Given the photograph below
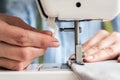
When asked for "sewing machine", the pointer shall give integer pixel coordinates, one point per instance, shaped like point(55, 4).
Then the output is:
point(68, 11)
point(76, 11)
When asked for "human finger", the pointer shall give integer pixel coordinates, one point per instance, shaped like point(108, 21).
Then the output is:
point(108, 41)
point(55, 43)
point(46, 32)
point(17, 36)
point(91, 50)
point(104, 54)
point(14, 65)
point(20, 53)
point(95, 39)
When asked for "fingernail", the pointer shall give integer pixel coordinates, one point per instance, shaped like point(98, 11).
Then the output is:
point(55, 40)
point(54, 44)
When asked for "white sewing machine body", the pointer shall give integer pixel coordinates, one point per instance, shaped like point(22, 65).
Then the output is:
point(79, 9)
point(40, 72)
point(41, 75)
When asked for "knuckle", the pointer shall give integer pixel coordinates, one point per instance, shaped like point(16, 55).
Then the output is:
point(25, 54)
point(20, 39)
point(46, 42)
point(18, 66)
point(109, 52)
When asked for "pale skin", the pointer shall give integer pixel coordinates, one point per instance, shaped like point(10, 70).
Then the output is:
point(20, 44)
point(102, 46)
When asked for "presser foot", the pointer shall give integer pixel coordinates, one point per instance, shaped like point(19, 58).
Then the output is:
point(79, 55)
point(71, 61)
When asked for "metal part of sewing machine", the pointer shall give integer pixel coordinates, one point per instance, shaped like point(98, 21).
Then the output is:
point(75, 11)
point(78, 48)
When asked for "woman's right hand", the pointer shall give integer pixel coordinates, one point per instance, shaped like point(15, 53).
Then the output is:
point(20, 44)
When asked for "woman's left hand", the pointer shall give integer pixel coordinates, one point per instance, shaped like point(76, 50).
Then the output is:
point(102, 46)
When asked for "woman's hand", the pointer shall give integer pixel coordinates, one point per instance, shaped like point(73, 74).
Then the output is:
point(102, 46)
point(20, 44)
